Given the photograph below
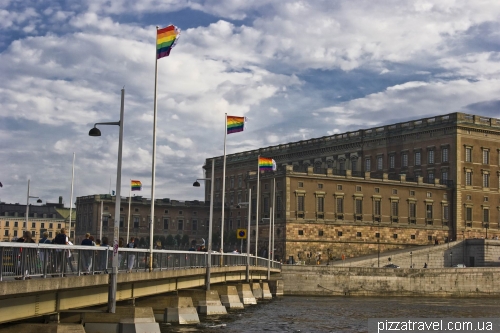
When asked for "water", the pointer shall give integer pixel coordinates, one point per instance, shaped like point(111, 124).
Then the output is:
point(337, 314)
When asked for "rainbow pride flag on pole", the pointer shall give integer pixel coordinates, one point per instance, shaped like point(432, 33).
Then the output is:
point(135, 185)
point(235, 124)
point(165, 40)
point(266, 164)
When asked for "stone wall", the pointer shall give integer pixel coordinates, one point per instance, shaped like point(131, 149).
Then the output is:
point(355, 281)
point(471, 252)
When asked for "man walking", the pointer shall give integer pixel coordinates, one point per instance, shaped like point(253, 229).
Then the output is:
point(87, 255)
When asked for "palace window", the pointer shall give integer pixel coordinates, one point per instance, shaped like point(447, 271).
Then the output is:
point(428, 213)
point(367, 165)
point(486, 215)
point(468, 214)
point(430, 157)
point(468, 178)
point(339, 205)
point(136, 222)
point(468, 154)
point(446, 213)
point(394, 211)
point(165, 224)
point(444, 155)
point(358, 206)
point(180, 224)
point(380, 163)
point(418, 158)
point(486, 156)
point(486, 180)
point(430, 177)
point(404, 160)
point(392, 161)
point(321, 204)
point(412, 212)
point(377, 209)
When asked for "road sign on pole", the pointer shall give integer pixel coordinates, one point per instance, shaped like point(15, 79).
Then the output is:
point(241, 233)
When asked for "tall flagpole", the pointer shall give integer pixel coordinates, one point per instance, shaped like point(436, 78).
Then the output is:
point(274, 214)
point(269, 245)
point(153, 167)
point(129, 202)
point(223, 188)
point(71, 197)
point(257, 213)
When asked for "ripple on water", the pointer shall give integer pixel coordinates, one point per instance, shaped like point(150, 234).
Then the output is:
point(336, 314)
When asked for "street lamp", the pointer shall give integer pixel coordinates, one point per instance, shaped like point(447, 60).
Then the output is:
point(411, 259)
point(114, 272)
point(28, 197)
point(249, 203)
point(209, 248)
point(451, 259)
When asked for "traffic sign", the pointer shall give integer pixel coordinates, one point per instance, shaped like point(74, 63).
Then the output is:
point(241, 233)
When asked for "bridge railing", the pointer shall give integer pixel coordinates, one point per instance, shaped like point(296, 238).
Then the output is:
point(24, 261)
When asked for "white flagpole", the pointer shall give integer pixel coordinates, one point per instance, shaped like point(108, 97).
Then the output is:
point(129, 202)
point(153, 167)
point(257, 213)
point(269, 246)
point(71, 196)
point(274, 214)
point(223, 188)
point(100, 228)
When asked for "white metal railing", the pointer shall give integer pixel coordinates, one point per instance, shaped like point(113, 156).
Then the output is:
point(23, 261)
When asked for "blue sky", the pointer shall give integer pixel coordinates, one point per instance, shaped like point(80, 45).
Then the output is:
point(295, 69)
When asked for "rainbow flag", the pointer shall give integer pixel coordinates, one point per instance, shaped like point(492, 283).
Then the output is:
point(267, 164)
point(235, 124)
point(135, 185)
point(165, 40)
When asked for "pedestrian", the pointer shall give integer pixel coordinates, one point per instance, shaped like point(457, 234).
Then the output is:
point(87, 255)
point(131, 256)
point(61, 239)
point(26, 256)
point(103, 256)
point(425, 265)
point(44, 254)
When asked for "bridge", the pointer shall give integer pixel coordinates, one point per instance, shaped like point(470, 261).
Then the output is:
point(42, 279)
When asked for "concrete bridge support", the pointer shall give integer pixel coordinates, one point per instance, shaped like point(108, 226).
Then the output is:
point(228, 296)
point(277, 287)
point(257, 290)
point(171, 309)
point(245, 293)
point(266, 293)
point(124, 320)
point(206, 301)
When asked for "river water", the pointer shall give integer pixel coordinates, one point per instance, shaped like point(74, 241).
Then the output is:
point(337, 314)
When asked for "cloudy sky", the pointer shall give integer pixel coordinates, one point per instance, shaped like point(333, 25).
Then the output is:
point(295, 69)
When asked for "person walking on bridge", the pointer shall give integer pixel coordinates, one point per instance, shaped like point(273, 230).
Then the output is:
point(87, 255)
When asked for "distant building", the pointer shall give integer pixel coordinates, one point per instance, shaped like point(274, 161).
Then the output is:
point(50, 217)
point(413, 183)
point(182, 220)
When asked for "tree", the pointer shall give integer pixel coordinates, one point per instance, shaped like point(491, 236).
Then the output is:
point(185, 240)
point(163, 241)
point(170, 241)
point(178, 239)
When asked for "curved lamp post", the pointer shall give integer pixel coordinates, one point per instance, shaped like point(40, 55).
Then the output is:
point(114, 272)
point(209, 247)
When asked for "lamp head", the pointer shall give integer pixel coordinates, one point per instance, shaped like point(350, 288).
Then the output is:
point(196, 184)
point(238, 206)
point(94, 132)
point(39, 201)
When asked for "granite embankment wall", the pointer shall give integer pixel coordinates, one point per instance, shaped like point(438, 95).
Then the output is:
point(360, 281)
point(471, 252)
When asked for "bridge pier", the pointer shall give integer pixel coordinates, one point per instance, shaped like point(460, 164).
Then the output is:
point(266, 293)
point(124, 320)
point(245, 294)
point(172, 309)
point(206, 301)
point(257, 290)
point(277, 287)
point(228, 296)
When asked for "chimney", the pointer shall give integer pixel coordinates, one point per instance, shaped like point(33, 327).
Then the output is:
point(60, 200)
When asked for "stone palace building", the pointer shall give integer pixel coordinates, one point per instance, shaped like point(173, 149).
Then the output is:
point(413, 183)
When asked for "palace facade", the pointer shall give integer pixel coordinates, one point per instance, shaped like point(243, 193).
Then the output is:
point(413, 183)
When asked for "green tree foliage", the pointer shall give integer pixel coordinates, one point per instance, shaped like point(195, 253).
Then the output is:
point(185, 240)
point(170, 241)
